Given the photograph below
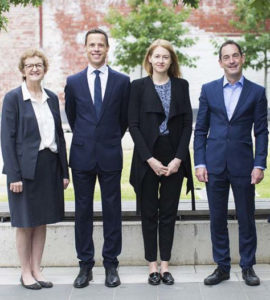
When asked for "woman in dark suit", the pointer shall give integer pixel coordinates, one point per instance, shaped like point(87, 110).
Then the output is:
point(160, 123)
point(34, 154)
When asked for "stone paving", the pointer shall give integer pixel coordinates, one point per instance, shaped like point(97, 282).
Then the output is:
point(188, 285)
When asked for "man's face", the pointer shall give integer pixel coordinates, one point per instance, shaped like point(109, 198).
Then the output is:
point(96, 49)
point(231, 61)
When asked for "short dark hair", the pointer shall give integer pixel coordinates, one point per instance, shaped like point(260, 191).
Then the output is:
point(97, 30)
point(229, 42)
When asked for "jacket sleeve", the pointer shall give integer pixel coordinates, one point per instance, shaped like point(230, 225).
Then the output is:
point(124, 107)
point(9, 131)
point(70, 105)
point(261, 131)
point(183, 146)
point(201, 130)
point(134, 121)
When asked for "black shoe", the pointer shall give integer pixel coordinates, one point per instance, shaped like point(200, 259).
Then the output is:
point(250, 277)
point(167, 278)
point(216, 277)
point(154, 278)
point(83, 278)
point(34, 286)
point(45, 284)
point(112, 278)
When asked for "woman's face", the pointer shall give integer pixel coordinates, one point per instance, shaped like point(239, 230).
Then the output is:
point(160, 60)
point(33, 69)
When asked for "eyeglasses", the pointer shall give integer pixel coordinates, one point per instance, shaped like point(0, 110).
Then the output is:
point(31, 66)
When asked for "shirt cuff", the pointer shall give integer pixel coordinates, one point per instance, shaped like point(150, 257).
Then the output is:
point(200, 166)
point(259, 167)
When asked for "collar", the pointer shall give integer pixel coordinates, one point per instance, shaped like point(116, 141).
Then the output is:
point(27, 95)
point(103, 69)
point(239, 82)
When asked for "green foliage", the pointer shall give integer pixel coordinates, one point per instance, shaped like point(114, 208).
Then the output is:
point(252, 20)
point(144, 24)
point(192, 3)
point(5, 6)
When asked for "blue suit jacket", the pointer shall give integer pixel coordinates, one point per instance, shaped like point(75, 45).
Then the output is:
point(97, 141)
point(20, 138)
point(220, 142)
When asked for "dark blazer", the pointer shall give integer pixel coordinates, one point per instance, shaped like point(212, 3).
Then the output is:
point(20, 138)
point(97, 141)
point(229, 142)
point(146, 113)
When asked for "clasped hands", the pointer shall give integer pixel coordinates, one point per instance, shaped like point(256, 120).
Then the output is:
point(160, 169)
point(17, 187)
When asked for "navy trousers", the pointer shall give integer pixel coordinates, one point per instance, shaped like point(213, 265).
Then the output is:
point(244, 197)
point(84, 185)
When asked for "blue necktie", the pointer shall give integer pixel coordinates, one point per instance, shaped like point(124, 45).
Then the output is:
point(97, 94)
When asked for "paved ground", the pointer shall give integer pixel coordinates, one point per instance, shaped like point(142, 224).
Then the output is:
point(134, 287)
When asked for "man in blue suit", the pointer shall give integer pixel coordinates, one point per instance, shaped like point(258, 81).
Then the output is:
point(96, 108)
point(229, 109)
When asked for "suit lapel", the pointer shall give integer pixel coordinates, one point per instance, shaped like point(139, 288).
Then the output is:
point(153, 102)
point(220, 97)
point(86, 92)
point(242, 98)
point(177, 105)
point(30, 116)
point(108, 91)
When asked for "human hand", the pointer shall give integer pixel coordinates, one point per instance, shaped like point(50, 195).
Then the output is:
point(257, 176)
point(201, 174)
point(16, 187)
point(157, 166)
point(173, 166)
point(65, 183)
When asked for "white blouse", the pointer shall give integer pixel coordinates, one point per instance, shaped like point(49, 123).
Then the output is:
point(44, 118)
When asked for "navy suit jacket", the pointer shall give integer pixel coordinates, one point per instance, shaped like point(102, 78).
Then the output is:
point(220, 142)
point(20, 138)
point(97, 142)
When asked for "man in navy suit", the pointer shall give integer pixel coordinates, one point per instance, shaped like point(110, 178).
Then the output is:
point(223, 149)
point(96, 108)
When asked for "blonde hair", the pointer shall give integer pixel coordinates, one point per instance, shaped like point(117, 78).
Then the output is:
point(174, 69)
point(31, 53)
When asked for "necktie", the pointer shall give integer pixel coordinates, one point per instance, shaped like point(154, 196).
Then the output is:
point(97, 94)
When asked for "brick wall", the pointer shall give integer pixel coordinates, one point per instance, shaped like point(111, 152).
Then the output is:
point(65, 23)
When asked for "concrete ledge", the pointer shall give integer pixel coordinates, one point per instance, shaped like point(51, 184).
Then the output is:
point(192, 244)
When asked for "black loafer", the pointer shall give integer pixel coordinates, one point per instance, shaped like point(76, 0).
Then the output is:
point(112, 278)
point(85, 275)
point(154, 278)
point(34, 286)
point(45, 284)
point(216, 277)
point(250, 277)
point(167, 278)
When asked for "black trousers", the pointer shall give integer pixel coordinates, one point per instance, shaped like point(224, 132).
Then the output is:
point(160, 198)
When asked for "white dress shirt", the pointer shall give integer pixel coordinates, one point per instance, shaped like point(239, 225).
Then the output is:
point(91, 76)
point(44, 118)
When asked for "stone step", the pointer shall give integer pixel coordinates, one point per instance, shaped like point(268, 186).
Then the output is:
point(192, 244)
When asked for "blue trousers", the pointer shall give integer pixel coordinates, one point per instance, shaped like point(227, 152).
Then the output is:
point(84, 185)
point(244, 196)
